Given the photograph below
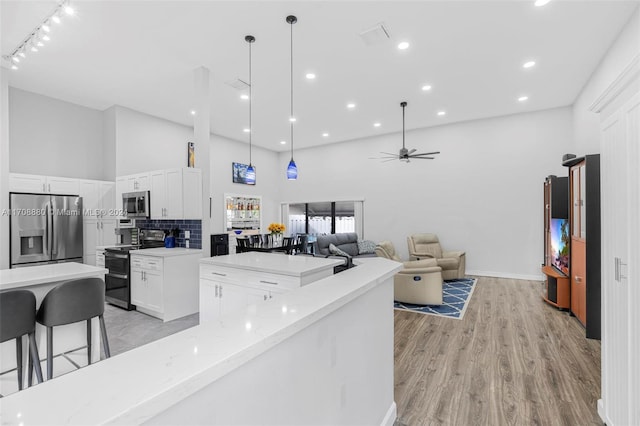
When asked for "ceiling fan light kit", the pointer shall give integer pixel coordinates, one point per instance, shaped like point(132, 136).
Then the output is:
point(405, 154)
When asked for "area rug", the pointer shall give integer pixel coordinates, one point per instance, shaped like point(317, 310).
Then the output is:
point(455, 298)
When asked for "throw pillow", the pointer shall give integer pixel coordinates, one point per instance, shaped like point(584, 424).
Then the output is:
point(335, 250)
point(366, 247)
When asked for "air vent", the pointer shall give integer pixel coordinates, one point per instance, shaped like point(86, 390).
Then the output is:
point(238, 84)
point(375, 35)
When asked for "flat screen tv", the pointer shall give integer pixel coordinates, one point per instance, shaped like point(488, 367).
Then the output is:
point(560, 245)
point(239, 171)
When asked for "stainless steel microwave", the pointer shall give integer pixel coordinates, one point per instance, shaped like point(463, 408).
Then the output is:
point(136, 204)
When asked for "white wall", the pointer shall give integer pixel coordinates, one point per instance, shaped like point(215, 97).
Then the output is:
point(52, 137)
point(223, 153)
point(4, 167)
point(586, 124)
point(483, 194)
point(145, 142)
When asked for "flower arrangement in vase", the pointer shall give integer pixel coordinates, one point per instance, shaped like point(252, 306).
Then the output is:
point(276, 228)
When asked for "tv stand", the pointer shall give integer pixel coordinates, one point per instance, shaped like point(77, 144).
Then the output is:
point(557, 289)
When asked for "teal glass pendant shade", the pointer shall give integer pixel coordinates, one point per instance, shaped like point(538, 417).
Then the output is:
point(250, 175)
point(292, 170)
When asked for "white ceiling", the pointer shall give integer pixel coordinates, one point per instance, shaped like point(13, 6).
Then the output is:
point(141, 55)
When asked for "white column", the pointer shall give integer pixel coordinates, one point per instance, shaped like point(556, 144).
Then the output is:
point(4, 168)
point(201, 133)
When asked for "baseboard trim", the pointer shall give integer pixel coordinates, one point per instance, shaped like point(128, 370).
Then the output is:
point(506, 275)
point(390, 417)
point(603, 414)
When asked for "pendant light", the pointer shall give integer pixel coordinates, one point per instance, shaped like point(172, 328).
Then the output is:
point(292, 169)
point(250, 175)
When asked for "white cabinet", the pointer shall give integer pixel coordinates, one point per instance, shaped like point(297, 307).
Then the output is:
point(99, 221)
point(147, 284)
point(176, 194)
point(165, 287)
point(19, 182)
point(100, 258)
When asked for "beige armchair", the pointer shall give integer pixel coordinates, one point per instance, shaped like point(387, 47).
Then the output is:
point(420, 282)
point(427, 246)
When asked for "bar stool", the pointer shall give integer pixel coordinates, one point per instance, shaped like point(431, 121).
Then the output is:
point(17, 318)
point(243, 244)
point(70, 302)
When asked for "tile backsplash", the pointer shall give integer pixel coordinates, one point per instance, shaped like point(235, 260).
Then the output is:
point(194, 226)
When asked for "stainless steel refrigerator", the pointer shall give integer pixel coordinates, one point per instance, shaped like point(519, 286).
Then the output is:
point(45, 229)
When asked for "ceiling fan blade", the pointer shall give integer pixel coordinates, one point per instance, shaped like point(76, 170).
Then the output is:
point(411, 151)
point(428, 153)
point(388, 153)
point(390, 159)
point(422, 158)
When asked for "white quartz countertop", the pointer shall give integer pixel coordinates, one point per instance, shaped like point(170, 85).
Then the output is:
point(135, 386)
point(275, 263)
point(41, 274)
point(166, 252)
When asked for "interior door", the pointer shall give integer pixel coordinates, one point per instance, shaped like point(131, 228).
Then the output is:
point(615, 198)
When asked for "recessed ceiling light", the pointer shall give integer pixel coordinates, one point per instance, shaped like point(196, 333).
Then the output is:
point(528, 64)
point(522, 98)
point(426, 88)
point(310, 76)
point(244, 97)
point(292, 119)
point(193, 112)
point(22, 54)
point(351, 106)
point(246, 130)
point(69, 10)
point(403, 45)
point(541, 2)
point(45, 37)
point(14, 67)
point(15, 59)
point(56, 19)
point(283, 142)
point(441, 113)
point(376, 124)
point(325, 135)
point(46, 27)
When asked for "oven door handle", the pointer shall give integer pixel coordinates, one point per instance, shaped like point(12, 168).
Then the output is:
point(121, 276)
point(116, 255)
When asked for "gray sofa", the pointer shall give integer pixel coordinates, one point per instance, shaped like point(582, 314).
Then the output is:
point(347, 242)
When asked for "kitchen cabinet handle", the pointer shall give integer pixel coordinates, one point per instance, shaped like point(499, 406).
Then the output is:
point(216, 292)
point(264, 297)
point(97, 226)
point(220, 292)
point(219, 274)
point(269, 282)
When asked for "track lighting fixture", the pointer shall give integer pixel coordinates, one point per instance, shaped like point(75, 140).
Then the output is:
point(39, 35)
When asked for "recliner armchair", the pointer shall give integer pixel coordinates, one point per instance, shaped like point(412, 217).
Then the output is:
point(420, 282)
point(427, 246)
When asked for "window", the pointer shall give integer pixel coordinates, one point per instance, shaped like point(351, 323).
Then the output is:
point(319, 218)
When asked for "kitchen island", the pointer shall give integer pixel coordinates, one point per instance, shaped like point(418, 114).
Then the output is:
point(40, 280)
point(319, 354)
point(232, 282)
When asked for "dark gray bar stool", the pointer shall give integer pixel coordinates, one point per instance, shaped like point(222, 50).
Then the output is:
point(70, 302)
point(17, 318)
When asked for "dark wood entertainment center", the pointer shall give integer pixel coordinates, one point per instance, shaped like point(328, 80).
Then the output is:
point(556, 206)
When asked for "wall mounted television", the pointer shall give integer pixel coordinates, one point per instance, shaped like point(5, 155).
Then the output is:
point(239, 173)
point(560, 245)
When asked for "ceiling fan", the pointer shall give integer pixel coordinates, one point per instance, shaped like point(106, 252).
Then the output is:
point(406, 154)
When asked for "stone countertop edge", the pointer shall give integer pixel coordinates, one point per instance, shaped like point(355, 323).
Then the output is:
point(251, 261)
point(135, 386)
point(43, 274)
point(166, 252)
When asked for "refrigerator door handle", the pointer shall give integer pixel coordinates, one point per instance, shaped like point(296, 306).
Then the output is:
point(47, 240)
point(54, 243)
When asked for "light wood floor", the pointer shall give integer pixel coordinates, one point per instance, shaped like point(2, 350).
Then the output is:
point(512, 360)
